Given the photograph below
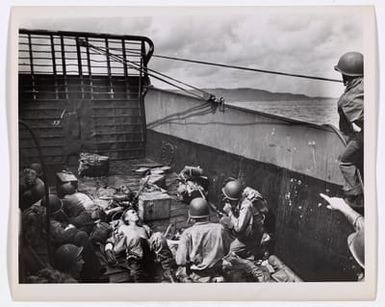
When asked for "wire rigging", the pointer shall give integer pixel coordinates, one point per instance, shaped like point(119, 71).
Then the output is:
point(134, 66)
point(151, 72)
point(248, 68)
point(199, 110)
point(267, 71)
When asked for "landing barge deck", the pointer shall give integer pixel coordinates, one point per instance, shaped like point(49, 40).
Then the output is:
point(123, 173)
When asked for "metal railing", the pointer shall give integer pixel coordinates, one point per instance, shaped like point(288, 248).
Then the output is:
point(61, 53)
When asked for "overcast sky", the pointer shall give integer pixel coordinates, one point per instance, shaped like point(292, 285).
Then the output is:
point(291, 40)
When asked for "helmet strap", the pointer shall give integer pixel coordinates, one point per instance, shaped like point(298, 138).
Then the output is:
point(347, 79)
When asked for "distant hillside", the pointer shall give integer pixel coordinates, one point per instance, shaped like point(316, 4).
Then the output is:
point(250, 94)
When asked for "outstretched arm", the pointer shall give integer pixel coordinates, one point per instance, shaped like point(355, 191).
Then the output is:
point(339, 204)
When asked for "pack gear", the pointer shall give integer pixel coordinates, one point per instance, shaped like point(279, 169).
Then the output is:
point(351, 64)
point(256, 198)
point(93, 165)
point(199, 208)
point(190, 172)
point(250, 271)
point(192, 184)
point(233, 190)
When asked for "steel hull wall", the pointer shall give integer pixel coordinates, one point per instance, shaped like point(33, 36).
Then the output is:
point(310, 238)
point(298, 146)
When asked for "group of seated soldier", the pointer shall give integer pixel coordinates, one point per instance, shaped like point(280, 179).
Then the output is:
point(57, 236)
point(67, 240)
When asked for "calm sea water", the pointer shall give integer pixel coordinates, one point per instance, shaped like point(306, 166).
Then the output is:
point(318, 111)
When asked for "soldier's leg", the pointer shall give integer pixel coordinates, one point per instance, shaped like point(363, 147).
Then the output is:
point(241, 249)
point(351, 160)
point(163, 255)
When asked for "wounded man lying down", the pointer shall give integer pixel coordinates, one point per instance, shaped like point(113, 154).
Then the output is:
point(138, 252)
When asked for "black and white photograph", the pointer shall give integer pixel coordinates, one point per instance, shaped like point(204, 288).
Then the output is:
point(195, 145)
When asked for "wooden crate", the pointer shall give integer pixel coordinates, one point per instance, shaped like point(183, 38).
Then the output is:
point(154, 206)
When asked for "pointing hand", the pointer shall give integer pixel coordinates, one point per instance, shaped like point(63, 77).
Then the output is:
point(335, 203)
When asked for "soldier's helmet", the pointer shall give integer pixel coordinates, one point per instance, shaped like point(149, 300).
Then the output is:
point(233, 190)
point(68, 188)
point(66, 257)
point(199, 208)
point(55, 204)
point(351, 64)
point(356, 242)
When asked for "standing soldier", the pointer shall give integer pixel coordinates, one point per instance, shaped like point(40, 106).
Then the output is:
point(351, 112)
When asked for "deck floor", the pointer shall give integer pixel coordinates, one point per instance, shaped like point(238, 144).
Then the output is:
point(123, 173)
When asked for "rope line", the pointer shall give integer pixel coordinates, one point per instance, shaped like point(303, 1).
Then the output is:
point(202, 113)
point(162, 121)
point(174, 122)
point(182, 113)
point(179, 118)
